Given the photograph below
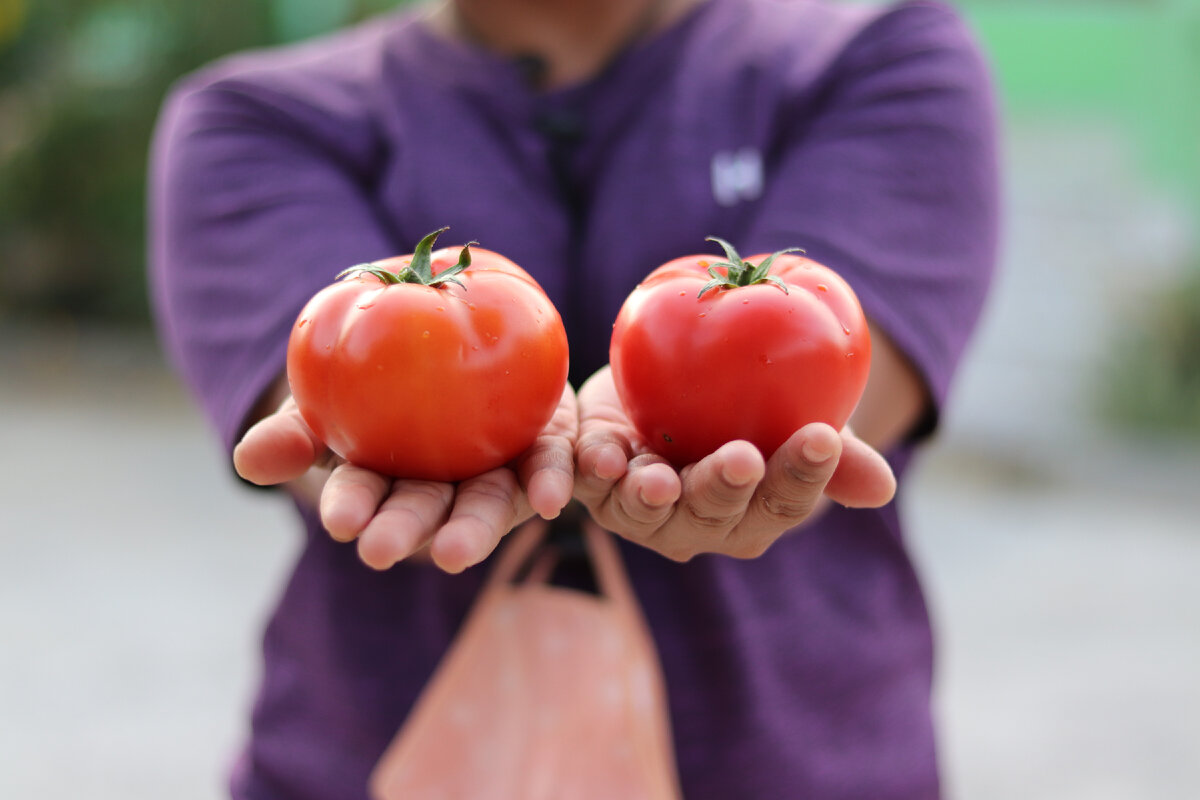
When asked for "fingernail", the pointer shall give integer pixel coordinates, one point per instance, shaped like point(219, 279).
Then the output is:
point(732, 478)
point(814, 453)
point(609, 463)
point(647, 501)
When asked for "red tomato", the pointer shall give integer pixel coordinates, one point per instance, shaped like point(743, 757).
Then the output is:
point(421, 367)
point(706, 351)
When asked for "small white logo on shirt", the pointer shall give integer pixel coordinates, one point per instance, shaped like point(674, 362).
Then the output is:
point(737, 176)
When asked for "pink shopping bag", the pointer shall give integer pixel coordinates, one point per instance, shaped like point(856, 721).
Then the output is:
point(547, 693)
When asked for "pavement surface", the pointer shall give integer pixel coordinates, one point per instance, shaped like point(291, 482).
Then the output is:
point(135, 575)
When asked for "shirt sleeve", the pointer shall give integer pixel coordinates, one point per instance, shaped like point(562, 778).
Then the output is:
point(260, 195)
point(889, 176)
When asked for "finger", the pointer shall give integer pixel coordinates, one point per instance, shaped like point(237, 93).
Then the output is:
point(607, 441)
point(642, 501)
point(485, 508)
point(627, 488)
point(350, 499)
point(715, 495)
point(408, 518)
point(863, 478)
point(602, 458)
point(795, 480)
point(278, 448)
point(547, 470)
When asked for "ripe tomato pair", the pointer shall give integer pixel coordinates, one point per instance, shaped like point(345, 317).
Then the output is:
point(442, 366)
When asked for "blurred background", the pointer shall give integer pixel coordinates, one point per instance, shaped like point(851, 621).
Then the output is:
point(1056, 518)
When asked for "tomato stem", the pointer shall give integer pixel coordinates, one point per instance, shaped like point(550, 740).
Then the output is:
point(739, 272)
point(420, 269)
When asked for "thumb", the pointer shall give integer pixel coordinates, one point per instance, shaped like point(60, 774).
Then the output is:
point(278, 448)
point(863, 478)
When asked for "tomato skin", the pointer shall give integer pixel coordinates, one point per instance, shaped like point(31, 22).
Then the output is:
point(430, 382)
point(748, 362)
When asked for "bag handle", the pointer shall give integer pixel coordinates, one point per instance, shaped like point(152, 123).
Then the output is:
point(522, 543)
point(611, 577)
point(612, 580)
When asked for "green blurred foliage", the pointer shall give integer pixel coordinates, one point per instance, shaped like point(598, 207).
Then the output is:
point(1153, 382)
point(1131, 67)
point(81, 82)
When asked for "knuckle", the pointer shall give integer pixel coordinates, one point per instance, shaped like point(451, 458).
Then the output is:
point(785, 510)
point(495, 485)
point(722, 494)
point(486, 498)
point(479, 522)
point(641, 460)
point(552, 453)
point(564, 422)
point(588, 450)
point(809, 478)
point(640, 515)
point(555, 442)
point(430, 490)
point(708, 519)
point(401, 518)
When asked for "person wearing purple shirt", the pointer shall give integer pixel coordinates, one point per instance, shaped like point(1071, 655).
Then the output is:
point(590, 141)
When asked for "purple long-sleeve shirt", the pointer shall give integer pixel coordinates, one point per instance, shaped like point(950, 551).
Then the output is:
point(864, 135)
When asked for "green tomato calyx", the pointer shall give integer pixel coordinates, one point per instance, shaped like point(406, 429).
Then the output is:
point(739, 272)
point(420, 269)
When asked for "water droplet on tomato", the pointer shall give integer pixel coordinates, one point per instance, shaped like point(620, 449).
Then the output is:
point(745, 302)
point(703, 314)
point(471, 306)
point(424, 334)
point(845, 329)
point(683, 294)
point(822, 287)
point(440, 308)
point(302, 323)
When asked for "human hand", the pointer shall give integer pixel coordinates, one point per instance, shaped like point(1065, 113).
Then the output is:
point(733, 501)
point(392, 519)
